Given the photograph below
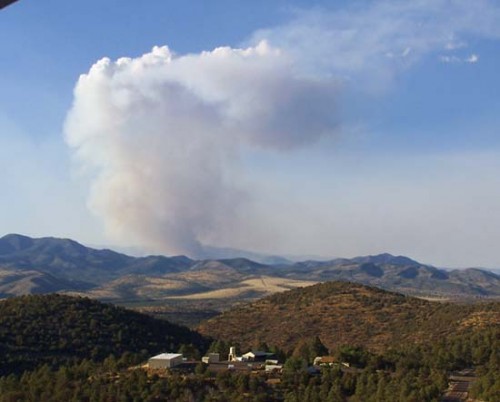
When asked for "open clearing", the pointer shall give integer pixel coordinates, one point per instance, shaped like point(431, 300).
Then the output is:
point(263, 285)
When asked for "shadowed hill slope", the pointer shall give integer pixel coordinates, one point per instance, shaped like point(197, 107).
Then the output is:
point(69, 260)
point(57, 329)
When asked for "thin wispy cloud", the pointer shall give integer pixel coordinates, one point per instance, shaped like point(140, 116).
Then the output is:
point(454, 45)
point(472, 59)
point(371, 42)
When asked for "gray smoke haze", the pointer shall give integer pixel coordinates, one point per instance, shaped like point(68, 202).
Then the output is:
point(161, 135)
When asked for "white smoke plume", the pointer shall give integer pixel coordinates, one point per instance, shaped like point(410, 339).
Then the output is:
point(161, 135)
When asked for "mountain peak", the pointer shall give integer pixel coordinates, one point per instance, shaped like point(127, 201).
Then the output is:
point(14, 242)
point(386, 258)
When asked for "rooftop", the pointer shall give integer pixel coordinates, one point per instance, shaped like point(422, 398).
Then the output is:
point(167, 356)
point(258, 353)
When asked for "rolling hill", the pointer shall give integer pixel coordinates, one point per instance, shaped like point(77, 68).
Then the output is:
point(342, 313)
point(16, 282)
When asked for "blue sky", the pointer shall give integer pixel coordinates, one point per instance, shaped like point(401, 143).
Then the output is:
point(343, 130)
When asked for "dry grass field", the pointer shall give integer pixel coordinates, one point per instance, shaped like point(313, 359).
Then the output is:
point(261, 286)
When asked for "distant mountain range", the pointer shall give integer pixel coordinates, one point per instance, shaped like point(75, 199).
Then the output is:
point(47, 265)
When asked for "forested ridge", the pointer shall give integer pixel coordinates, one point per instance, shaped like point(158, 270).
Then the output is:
point(57, 329)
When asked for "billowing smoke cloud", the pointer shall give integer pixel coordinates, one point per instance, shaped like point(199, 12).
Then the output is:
point(161, 135)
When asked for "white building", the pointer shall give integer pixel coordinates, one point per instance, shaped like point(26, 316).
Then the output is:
point(256, 355)
point(165, 360)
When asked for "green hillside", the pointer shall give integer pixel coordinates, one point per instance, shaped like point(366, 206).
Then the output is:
point(57, 329)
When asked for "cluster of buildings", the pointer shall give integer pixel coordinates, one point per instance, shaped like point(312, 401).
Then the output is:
point(253, 360)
